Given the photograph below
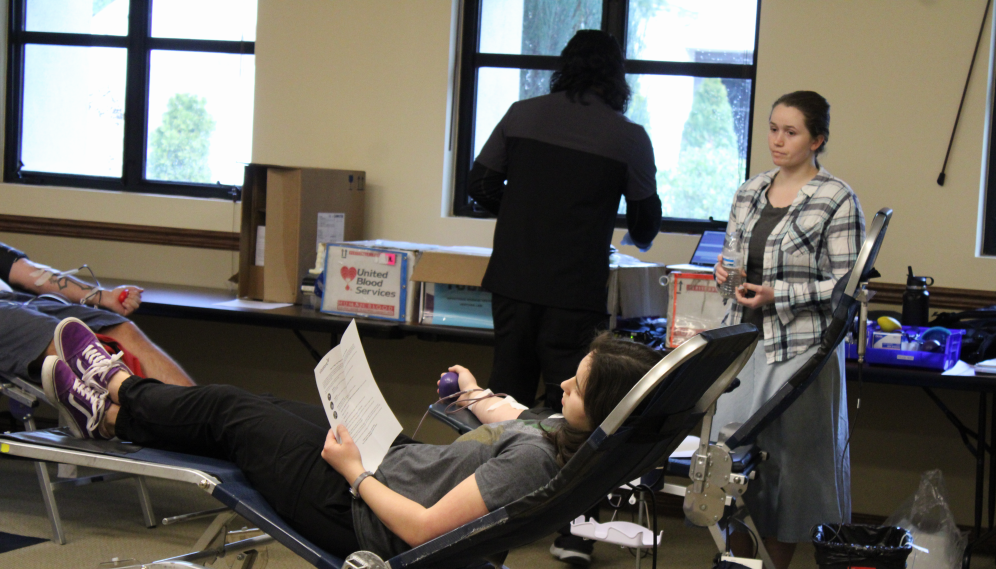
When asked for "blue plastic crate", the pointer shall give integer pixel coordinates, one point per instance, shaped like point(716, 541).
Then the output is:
point(850, 351)
point(907, 358)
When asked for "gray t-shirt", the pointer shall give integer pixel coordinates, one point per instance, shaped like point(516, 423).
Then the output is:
point(770, 217)
point(510, 459)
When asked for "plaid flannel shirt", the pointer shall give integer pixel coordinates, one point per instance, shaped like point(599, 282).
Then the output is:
point(813, 246)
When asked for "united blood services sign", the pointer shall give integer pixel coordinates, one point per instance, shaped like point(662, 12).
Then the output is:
point(361, 281)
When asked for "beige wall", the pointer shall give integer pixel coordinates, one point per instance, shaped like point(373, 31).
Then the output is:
point(175, 265)
point(370, 88)
point(893, 73)
point(366, 84)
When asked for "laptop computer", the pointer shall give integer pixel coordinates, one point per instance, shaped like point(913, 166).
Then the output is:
point(706, 252)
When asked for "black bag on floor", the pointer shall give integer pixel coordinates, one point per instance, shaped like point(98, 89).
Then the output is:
point(839, 546)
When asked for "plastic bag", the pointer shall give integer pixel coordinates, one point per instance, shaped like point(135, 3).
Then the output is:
point(694, 305)
point(840, 546)
point(938, 543)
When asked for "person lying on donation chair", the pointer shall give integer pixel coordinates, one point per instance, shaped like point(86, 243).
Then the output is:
point(35, 297)
point(318, 484)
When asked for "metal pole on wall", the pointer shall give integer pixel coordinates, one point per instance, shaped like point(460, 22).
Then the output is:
point(940, 177)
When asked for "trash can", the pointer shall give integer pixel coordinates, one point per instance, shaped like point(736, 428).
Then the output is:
point(840, 546)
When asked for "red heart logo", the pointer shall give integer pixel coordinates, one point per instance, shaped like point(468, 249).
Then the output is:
point(348, 274)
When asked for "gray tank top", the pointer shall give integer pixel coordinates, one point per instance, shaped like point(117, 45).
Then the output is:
point(769, 218)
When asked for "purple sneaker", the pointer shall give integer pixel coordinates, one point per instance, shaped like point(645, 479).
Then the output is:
point(77, 345)
point(80, 405)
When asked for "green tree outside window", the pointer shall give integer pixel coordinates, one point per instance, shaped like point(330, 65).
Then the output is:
point(708, 171)
point(180, 146)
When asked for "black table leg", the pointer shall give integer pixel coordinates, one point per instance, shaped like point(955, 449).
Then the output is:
point(311, 350)
point(980, 466)
point(992, 464)
point(980, 456)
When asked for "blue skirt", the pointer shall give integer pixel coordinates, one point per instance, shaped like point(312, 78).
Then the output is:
point(806, 480)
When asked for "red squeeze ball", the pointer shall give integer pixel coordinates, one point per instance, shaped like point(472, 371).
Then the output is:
point(122, 296)
point(448, 384)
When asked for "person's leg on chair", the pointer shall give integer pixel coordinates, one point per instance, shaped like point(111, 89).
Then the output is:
point(33, 370)
point(155, 362)
point(278, 451)
point(26, 330)
point(25, 340)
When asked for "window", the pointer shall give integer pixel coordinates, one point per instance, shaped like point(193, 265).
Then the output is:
point(131, 95)
point(690, 64)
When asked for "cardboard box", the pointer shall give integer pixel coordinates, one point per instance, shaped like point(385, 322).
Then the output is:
point(452, 265)
point(435, 264)
point(634, 286)
point(299, 207)
point(451, 293)
point(455, 305)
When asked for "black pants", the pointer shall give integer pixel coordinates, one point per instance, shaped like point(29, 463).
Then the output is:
point(276, 443)
point(533, 340)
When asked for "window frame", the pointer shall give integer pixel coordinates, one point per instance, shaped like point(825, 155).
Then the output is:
point(139, 44)
point(988, 199)
point(988, 240)
point(614, 21)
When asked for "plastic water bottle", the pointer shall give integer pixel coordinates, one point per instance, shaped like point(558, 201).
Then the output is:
point(733, 262)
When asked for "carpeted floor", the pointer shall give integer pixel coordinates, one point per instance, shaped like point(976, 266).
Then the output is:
point(104, 522)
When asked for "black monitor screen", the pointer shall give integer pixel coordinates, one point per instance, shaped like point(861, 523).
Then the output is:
point(709, 249)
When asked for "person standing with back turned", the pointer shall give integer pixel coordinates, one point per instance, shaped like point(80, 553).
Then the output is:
point(553, 171)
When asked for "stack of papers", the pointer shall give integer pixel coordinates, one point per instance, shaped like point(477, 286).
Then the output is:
point(987, 367)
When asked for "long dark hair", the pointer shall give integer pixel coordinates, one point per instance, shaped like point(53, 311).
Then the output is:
point(616, 366)
point(816, 112)
point(592, 62)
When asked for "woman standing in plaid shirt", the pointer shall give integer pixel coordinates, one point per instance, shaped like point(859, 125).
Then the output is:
point(801, 228)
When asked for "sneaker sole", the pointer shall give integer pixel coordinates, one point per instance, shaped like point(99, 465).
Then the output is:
point(48, 369)
point(570, 556)
point(58, 336)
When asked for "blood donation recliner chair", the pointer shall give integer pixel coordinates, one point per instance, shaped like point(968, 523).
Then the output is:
point(24, 397)
point(638, 436)
point(720, 472)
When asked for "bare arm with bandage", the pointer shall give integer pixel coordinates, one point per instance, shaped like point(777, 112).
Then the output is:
point(487, 408)
point(36, 278)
